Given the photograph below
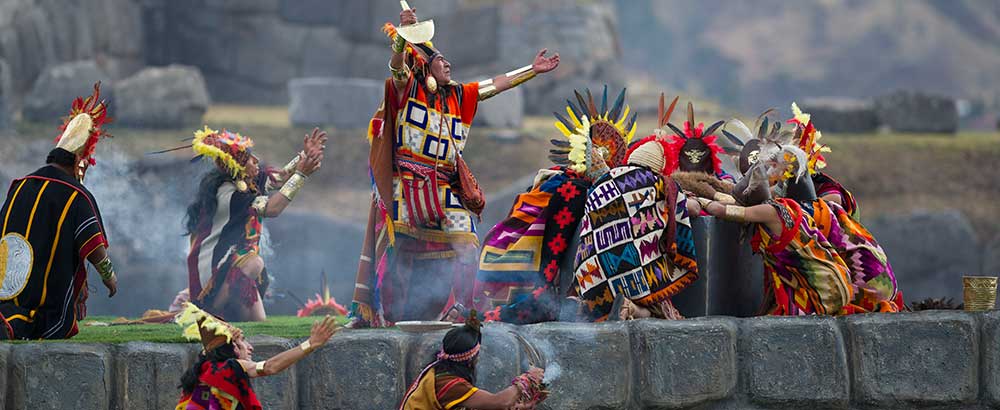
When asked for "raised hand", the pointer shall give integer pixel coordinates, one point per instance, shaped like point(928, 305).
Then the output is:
point(407, 17)
point(322, 331)
point(314, 146)
point(543, 64)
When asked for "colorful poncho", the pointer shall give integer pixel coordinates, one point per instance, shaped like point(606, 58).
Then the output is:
point(875, 288)
point(518, 280)
point(221, 386)
point(415, 143)
point(803, 273)
point(50, 225)
point(636, 239)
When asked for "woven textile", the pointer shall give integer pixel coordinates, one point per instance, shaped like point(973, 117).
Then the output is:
point(629, 244)
point(826, 185)
point(521, 256)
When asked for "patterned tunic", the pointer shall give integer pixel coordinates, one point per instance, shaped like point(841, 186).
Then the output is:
point(433, 391)
point(221, 386)
point(803, 272)
point(429, 137)
point(871, 275)
point(50, 225)
point(628, 243)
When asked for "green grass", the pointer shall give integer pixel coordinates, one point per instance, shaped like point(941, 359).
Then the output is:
point(280, 326)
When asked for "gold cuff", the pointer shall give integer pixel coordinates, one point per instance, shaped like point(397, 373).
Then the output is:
point(290, 166)
point(487, 90)
point(519, 76)
point(736, 213)
point(704, 202)
point(260, 367)
point(106, 269)
point(724, 198)
point(293, 185)
point(306, 347)
point(259, 204)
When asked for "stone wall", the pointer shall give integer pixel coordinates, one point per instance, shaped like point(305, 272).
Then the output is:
point(934, 360)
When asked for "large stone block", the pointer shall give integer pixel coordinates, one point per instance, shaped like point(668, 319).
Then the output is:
point(5, 349)
point(341, 102)
point(328, 54)
point(911, 111)
point(505, 110)
point(991, 356)
point(60, 375)
point(147, 374)
point(271, 52)
point(357, 369)
point(465, 36)
point(927, 358)
point(368, 61)
point(54, 90)
point(162, 97)
point(841, 114)
point(589, 365)
point(277, 391)
point(685, 363)
point(795, 362)
point(932, 266)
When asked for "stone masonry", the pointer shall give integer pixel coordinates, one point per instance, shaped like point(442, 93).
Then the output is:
point(929, 360)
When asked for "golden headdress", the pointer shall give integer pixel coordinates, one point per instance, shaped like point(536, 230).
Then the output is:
point(83, 128)
point(608, 131)
point(200, 325)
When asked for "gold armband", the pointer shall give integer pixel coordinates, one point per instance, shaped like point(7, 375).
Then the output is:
point(307, 347)
point(724, 198)
point(704, 202)
point(399, 74)
point(106, 269)
point(259, 204)
point(736, 213)
point(293, 185)
point(260, 367)
point(487, 89)
point(519, 76)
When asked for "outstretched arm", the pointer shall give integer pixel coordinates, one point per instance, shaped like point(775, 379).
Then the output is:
point(312, 158)
point(505, 399)
point(762, 214)
point(321, 332)
point(504, 82)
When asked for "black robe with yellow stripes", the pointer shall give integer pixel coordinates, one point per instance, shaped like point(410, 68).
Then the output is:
point(59, 218)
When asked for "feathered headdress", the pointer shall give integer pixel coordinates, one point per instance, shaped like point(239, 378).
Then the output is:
point(83, 128)
point(200, 325)
point(693, 146)
point(231, 151)
point(607, 131)
point(808, 139)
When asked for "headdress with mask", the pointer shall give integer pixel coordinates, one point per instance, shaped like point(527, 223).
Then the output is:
point(83, 128)
point(767, 158)
point(695, 148)
point(593, 133)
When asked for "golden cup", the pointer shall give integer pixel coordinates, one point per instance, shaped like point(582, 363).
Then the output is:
point(980, 293)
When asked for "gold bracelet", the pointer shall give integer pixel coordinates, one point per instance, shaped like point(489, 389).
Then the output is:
point(293, 185)
point(290, 166)
point(260, 367)
point(519, 76)
point(487, 89)
point(306, 347)
point(724, 198)
point(736, 213)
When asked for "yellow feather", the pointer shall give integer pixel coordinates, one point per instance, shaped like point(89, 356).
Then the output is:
point(562, 128)
point(572, 116)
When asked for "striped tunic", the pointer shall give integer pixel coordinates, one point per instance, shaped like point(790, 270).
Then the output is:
point(50, 225)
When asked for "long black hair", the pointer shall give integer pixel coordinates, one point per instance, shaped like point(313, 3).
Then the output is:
point(206, 201)
point(220, 354)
